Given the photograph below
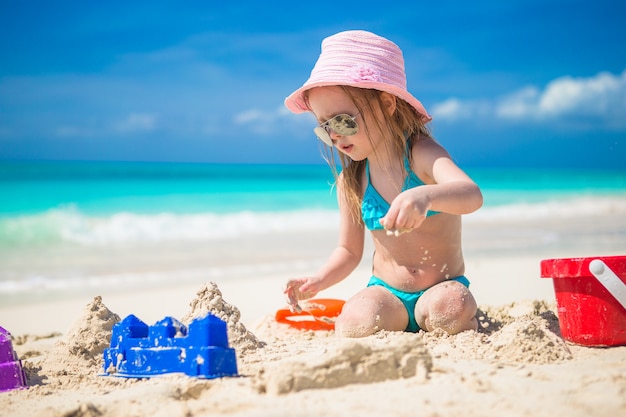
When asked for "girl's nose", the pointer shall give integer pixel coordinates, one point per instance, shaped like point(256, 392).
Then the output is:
point(334, 136)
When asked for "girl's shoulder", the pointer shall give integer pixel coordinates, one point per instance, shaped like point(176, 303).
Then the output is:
point(424, 153)
point(427, 148)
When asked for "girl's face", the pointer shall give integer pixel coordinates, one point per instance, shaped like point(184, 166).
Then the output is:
point(327, 102)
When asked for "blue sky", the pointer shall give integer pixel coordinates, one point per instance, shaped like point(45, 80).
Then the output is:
point(519, 83)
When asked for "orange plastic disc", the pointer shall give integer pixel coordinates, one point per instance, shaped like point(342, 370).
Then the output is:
point(316, 314)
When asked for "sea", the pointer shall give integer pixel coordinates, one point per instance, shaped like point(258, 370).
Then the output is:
point(71, 226)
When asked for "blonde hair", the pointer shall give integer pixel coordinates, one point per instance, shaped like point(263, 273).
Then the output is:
point(404, 128)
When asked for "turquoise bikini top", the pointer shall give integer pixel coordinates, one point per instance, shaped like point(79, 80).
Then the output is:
point(374, 206)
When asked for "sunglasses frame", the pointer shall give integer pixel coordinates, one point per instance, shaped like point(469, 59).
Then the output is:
point(339, 121)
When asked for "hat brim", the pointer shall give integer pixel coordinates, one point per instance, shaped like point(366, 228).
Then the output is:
point(296, 102)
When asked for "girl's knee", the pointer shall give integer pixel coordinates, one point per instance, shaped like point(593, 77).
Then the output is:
point(449, 306)
point(371, 310)
point(356, 325)
point(358, 318)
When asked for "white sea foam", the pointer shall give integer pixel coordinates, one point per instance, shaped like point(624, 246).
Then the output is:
point(72, 226)
point(558, 209)
point(54, 273)
point(128, 227)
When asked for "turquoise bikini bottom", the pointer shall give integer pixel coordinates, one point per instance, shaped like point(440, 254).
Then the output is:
point(409, 299)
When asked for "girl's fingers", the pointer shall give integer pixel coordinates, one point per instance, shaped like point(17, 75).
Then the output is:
point(397, 232)
point(296, 290)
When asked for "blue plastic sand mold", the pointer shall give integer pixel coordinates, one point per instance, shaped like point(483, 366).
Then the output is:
point(11, 371)
point(138, 350)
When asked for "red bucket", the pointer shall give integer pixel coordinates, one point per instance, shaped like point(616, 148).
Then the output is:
point(590, 298)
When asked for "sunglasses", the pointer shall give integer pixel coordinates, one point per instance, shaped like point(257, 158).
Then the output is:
point(342, 124)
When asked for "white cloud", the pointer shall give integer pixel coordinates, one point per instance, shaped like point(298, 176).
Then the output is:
point(258, 115)
point(452, 108)
point(601, 98)
point(518, 105)
point(265, 121)
point(132, 123)
point(257, 120)
point(136, 122)
point(595, 95)
point(456, 109)
point(249, 116)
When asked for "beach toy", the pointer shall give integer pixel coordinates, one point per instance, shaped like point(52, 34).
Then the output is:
point(590, 298)
point(141, 351)
point(316, 314)
point(11, 372)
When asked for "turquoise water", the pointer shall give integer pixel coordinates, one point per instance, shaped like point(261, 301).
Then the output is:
point(68, 226)
point(112, 202)
point(105, 188)
point(506, 187)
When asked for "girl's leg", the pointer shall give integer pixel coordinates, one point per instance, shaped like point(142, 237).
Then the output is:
point(370, 310)
point(448, 305)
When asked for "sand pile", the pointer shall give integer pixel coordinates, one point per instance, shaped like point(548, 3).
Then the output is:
point(70, 363)
point(350, 361)
point(518, 333)
point(517, 350)
point(209, 300)
point(80, 351)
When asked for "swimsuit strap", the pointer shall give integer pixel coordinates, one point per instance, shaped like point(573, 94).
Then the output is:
point(407, 167)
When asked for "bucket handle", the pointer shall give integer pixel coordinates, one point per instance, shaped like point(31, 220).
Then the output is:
point(609, 280)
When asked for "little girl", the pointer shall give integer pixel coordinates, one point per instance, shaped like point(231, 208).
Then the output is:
point(397, 182)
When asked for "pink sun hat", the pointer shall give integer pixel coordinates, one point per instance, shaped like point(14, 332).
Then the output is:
point(360, 59)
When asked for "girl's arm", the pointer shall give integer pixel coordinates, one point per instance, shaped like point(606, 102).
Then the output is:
point(448, 189)
point(342, 261)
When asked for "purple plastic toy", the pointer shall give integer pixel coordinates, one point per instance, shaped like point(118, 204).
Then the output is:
point(11, 372)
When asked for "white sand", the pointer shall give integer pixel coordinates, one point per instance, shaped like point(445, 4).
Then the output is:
point(516, 365)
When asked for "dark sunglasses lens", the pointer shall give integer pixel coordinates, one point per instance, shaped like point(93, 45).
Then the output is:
point(344, 124)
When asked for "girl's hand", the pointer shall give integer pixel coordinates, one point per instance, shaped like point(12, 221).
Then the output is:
point(299, 289)
point(407, 212)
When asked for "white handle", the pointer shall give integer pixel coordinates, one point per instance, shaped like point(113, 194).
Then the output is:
point(609, 280)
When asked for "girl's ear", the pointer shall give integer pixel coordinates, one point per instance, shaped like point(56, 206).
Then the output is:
point(389, 102)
